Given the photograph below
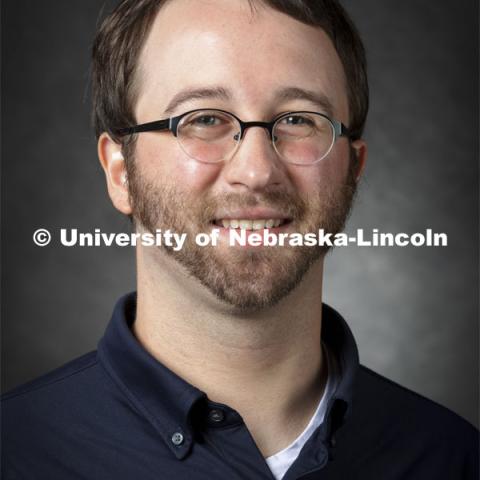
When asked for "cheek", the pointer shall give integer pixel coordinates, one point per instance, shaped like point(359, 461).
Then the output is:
point(329, 172)
point(165, 163)
point(333, 170)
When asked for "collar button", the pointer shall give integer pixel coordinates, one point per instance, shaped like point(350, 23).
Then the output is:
point(177, 439)
point(216, 415)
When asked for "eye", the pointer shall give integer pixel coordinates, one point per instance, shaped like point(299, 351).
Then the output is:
point(206, 125)
point(206, 121)
point(294, 120)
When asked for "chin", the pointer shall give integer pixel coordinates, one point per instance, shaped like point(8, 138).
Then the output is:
point(249, 280)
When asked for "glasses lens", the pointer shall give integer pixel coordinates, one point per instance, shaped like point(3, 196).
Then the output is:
point(303, 138)
point(208, 135)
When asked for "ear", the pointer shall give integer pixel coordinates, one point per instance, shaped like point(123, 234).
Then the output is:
point(360, 151)
point(113, 164)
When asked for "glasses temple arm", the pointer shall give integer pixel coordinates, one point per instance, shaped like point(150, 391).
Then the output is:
point(145, 127)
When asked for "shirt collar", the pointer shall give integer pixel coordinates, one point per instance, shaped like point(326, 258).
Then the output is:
point(339, 339)
point(163, 397)
point(167, 400)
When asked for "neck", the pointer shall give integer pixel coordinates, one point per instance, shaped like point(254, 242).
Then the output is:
point(274, 352)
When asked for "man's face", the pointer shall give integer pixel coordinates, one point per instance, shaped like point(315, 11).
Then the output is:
point(253, 58)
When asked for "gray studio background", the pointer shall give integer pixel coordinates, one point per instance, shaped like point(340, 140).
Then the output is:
point(414, 311)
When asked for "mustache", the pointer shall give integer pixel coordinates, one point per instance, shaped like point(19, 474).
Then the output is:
point(291, 205)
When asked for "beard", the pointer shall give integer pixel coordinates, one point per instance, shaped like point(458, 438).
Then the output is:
point(247, 279)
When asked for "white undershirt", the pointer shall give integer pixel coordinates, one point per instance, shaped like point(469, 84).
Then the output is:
point(281, 461)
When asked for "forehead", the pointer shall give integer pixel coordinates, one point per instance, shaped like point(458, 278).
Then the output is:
point(253, 54)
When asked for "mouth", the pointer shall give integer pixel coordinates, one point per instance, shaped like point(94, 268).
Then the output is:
point(251, 224)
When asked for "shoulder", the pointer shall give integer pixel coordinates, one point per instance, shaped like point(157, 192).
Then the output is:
point(49, 400)
point(54, 380)
point(65, 423)
point(388, 419)
point(390, 401)
point(44, 417)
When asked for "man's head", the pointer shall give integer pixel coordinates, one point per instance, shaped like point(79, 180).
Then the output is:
point(122, 36)
point(158, 59)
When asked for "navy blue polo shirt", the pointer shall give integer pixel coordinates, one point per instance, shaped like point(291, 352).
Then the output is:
point(117, 413)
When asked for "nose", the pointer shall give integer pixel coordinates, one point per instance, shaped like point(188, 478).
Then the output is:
point(255, 165)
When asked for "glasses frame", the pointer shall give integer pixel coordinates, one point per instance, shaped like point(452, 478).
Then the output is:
point(171, 124)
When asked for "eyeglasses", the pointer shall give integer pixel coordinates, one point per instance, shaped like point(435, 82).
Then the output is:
point(212, 135)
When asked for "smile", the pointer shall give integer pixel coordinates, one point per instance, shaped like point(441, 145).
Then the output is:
point(254, 224)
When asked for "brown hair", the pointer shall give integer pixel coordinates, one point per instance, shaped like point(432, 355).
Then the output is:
point(122, 34)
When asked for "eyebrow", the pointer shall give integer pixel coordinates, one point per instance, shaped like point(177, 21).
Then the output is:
point(284, 94)
point(215, 93)
point(294, 93)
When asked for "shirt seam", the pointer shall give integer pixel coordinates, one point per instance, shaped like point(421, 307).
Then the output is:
point(52, 382)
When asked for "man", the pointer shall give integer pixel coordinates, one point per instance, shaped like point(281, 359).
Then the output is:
point(229, 116)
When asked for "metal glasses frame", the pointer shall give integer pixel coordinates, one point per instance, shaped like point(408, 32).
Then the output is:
point(172, 123)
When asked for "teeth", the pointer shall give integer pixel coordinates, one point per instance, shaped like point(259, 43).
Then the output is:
point(250, 224)
point(245, 224)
